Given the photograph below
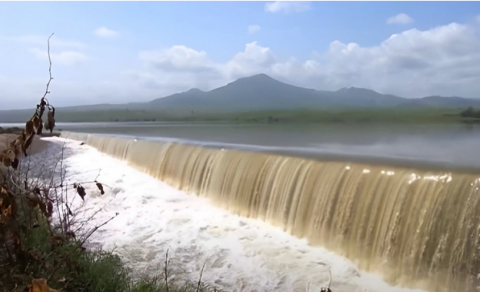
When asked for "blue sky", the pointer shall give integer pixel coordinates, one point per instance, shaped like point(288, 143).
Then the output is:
point(151, 49)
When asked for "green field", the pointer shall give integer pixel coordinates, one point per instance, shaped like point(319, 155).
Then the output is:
point(430, 115)
point(343, 115)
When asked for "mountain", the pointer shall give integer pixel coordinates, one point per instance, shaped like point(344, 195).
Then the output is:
point(262, 92)
point(249, 93)
point(442, 101)
point(361, 97)
point(193, 98)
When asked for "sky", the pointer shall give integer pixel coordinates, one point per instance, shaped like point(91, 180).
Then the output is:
point(117, 52)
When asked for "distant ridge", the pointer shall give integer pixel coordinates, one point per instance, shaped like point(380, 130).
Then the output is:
point(262, 92)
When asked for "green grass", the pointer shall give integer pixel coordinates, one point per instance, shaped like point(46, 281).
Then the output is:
point(66, 265)
point(331, 115)
point(82, 270)
point(424, 115)
point(358, 116)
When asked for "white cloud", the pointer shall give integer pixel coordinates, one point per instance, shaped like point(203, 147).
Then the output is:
point(176, 58)
point(401, 18)
point(63, 58)
point(444, 60)
point(286, 6)
point(253, 28)
point(63, 51)
point(177, 68)
point(254, 59)
point(106, 33)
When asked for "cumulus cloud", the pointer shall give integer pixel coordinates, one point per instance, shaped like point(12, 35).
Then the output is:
point(401, 18)
point(63, 58)
point(254, 59)
point(190, 68)
point(106, 33)
point(286, 6)
point(444, 60)
point(177, 58)
point(253, 28)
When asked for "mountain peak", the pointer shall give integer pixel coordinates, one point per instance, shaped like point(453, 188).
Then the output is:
point(194, 90)
point(262, 92)
point(353, 89)
point(256, 76)
point(261, 80)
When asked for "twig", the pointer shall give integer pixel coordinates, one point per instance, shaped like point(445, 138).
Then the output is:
point(99, 171)
point(327, 289)
point(60, 186)
point(49, 70)
point(54, 271)
point(96, 228)
point(166, 270)
point(329, 278)
point(200, 279)
point(28, 175)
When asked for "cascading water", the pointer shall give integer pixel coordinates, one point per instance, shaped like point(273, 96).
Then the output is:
point(417, 228)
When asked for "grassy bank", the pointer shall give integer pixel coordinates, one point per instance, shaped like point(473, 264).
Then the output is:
point(43, 238)
point(343, 115)
point(431, 115)
point(37, 245)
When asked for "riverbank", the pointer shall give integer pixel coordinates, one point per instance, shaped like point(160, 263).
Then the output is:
point(321, 116)
point(44, 237)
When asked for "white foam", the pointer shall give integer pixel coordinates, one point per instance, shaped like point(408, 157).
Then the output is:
point(239, 253)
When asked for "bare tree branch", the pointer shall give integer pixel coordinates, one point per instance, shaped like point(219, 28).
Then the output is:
point(49, 70)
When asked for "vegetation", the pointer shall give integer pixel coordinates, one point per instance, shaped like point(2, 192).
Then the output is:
point(255, 98)
point(11, 130)
point(351, 115)
point(470, 112)
point(413, 116)
point(42, 238)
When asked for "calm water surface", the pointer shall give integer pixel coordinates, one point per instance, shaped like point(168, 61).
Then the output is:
point(441, 145)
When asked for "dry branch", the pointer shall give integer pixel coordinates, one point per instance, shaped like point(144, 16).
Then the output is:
point(43, 197)
point(21, 197)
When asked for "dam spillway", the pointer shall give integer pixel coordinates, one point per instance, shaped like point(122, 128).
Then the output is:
point(418, 228)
